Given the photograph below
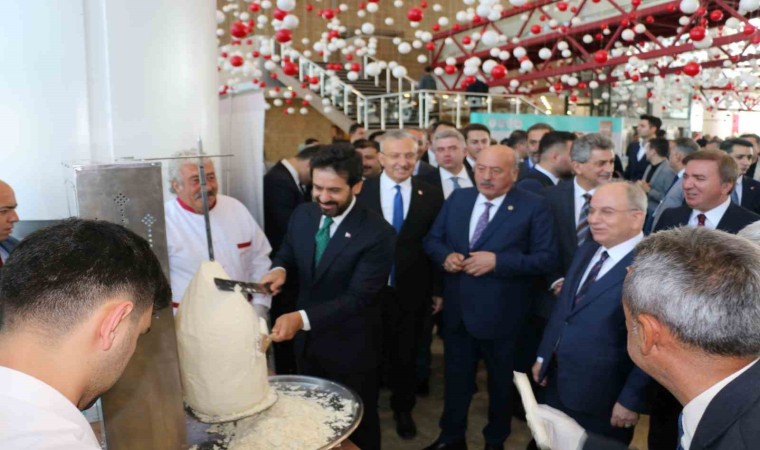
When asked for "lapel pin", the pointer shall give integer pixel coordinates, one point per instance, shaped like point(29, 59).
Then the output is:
point(348, 235)
point(510, 207)
point(419, 192)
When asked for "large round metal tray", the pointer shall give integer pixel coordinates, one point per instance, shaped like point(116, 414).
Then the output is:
point(196, 430)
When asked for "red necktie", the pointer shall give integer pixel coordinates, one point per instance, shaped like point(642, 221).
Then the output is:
point(701, 220)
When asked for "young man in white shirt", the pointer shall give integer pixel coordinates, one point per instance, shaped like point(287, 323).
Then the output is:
point(76, 297)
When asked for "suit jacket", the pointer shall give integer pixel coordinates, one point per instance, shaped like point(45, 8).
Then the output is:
point(281, 197)
point(521, 234)
point(635, 169)
point(434, 178)
point(751, 194)
point(561, 200)
point(524, 169)
point(734, 219)
point(536, 182)
point(416, 279)
point(425, 170)
point(589, 342)
point(660, 182)
point(9, 244)
point(673, 199)
point(339, 295)
point(729, 422)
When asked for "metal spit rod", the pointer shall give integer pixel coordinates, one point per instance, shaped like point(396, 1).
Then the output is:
point(204, 197)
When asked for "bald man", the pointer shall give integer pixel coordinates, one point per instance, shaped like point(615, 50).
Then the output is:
point(490, 260)
point(8, 217)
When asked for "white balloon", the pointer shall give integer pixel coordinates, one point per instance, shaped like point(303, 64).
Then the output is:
point(627, 35)
point(518, 2)
point(372, 7)
point(266, 4)
point(219, 32)
point(368, 28)
point(290, 22)
point(303, 111)
point(437, 7)
point(733, 23)
point(519, 52)
point(640, 28)
point(291, 110)
point(443, 21)
point(587, 38)
point(277, 102)
point(514, 83)
point(526, 65)
point(562, 45)
point(286, 5)
point(438, 71)
point(398, 3)
point(567, 53)
point(389, 21)
point(488, 65)
point(504, 55)
point(704, 43)
point(392, 65)
point(605, 95)
point(461, 16)
point(494, 52)
point(270, 65)
point(593, 84)
point(483, 10)
point(404, 48)
point(417, 44)
point(361, 13)
point(490, 38)
point(422, 59)
point(396, 41)
point(451, 61)
point(576, 21)
point(426, 36)
point(545, 53)
point(470, 70)
point(399, 72)
point(219, 17)
point(352, 76)
point(689, 6)
point(328, 109)
point(342, 7)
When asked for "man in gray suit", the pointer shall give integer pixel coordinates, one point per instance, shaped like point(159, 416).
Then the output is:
point(658, 176)
point(8, 217)
point(673, 197)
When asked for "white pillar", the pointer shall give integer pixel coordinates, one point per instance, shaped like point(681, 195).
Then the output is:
point(99, 80)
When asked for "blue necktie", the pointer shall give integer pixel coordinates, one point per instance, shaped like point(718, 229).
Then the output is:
point(735, 196)
point(455, 182)
point(680, 431)
point(398, 222)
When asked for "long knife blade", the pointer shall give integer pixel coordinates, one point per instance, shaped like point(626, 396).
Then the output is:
point(232, 285)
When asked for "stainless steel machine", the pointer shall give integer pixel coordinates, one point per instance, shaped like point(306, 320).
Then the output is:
point(144, 409)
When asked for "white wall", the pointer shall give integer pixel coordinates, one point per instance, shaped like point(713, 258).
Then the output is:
point(101, 80)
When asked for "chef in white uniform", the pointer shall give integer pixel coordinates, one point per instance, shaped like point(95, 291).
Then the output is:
point(240, 245)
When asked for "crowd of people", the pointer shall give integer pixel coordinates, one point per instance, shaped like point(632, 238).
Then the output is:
point(531, 255)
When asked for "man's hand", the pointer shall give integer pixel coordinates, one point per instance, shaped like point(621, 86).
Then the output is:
point(275, 278)
point(437, 304)
point(287, 326)
point(623, 417)
point(557, 288)
point(644, 186)
point(536, 370)
point(479, 263)
point(453, 262)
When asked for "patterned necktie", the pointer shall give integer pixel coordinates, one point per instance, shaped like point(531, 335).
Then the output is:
point(680, 431)
point(321, 239)
point(591, 277)
point(455, 182)
point(701, 219)
point(582, 230)
point(481, 225)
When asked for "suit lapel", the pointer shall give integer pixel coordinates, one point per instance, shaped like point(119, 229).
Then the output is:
point(573, 280)
point(612, 278)
point(346, 231)
point(507, 208)
point(461, 233)
point(415, 202)
point(371, 194)
point(315, 217)
point(568, 209)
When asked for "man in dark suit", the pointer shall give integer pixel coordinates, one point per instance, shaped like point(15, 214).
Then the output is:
point(476, 137)
point(708, 180)
point(709, 363)
point(553, 162)
point(746, 191)
point(429, 156)
point(342, 254)
point(674, 195)
point(284, 189)
point(491, 255)
point(755, 140)
point(534, 135)
point(518, 141)
point(636, 152)
point(410, 205)
point(421, 168)
point(582, 358)
point(452, 174)
point(8, 217)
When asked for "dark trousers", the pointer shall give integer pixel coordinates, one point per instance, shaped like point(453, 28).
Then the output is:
point(594, 424)
point(367, 435)
point(403, 323)
point(424, 356)
point(462, 351)
point(284, 352)
point(663, 422)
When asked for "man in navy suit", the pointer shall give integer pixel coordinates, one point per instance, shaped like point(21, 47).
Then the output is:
point(673, 198)
point(451, 174)
point(491, 241)
point(553, 162)
point(582, 358)
point(696, 334)
point(342, 254)
point(410, 205)
point(8, 217)
point(746, 191)
point(708, 181)
point(636, 152)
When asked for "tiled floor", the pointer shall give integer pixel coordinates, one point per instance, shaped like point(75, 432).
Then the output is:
point(428, 411)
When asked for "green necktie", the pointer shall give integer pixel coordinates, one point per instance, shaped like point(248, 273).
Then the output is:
point(321, 240)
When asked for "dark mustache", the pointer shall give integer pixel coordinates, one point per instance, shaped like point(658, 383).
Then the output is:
point(199, 195)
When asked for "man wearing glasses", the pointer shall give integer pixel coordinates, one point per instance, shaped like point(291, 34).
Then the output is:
point(582, 360)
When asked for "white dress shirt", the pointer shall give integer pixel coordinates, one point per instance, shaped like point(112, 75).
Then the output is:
point(448, 187)
point(292, 170)
point(388, 195)
point(642, 150)
point(578, 199)
point(480, 207)
point(551, 176)
point(34, 415)
point(333, 226)
point(713, 216)
point(471, 160)
point(616, 254)
point(431, 158)
point(695, 409)
point(738, 189)
point(240, 245)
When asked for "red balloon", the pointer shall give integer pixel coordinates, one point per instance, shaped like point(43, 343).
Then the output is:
point(749, 29)
point(451, 70)
point(562, 6)
point(557, 86)
point(573, 98)
point(238, 29)
point(498, 72)
point(467, 40)
point(309, 7)
point(692, 68)
point(373, 1)
point(289, 69)
point(436, 27)
point(414, 14)
point(349, 57)
point(314, 80)
point(328, 14)
point(236, 61)
point(283, 35)
point(279, 14)
point(430, 46)
point(636, 3)
point(649, 20)
point(423, 4)
point(601, 56)
point(671, 7)
point(254, 7)
point(535, 28)
point(469, 79)
point(716, 15)
point(355, 67)
point(697, 33)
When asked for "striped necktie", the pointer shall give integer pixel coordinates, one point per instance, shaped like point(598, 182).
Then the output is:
point(582, 230)
point(592, 274)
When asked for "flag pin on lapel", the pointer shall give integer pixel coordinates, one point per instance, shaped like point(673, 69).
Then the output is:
point(419, 192)
point(510, 207)
point(348, 235)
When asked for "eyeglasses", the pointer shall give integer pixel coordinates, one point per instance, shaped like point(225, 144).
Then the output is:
point(609, 212)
